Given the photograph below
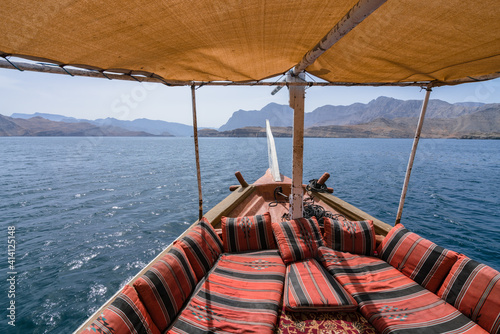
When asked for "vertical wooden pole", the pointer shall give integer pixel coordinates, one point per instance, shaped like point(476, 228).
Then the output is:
point(197, 153)
point(412, 155)
point(297, 95)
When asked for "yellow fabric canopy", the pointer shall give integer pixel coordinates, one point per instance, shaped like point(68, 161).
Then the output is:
point(206, 40)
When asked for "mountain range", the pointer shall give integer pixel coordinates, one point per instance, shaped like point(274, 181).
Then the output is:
point(484, 124)
point(154, 127)
point(357, 113)
point(39, 126)
point(383, 117)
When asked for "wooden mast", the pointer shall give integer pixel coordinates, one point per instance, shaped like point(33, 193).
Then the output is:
point(412, 155)
point(297, 94)
point(355, 16)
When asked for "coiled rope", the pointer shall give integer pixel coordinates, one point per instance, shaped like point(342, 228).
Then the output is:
point(310, 209)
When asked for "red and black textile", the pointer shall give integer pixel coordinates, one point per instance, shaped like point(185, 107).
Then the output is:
point(125, 315)
point(298, 239)
point(346, 264)
point(240, 295)
point(350, 236)
point(202, 246)
point(474, 289)
point(166, 285)
point(247, 233)
point(308, 287)
point(413, 309)
point(420, 259)
point(392, 302)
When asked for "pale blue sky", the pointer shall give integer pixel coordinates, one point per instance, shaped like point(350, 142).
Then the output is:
point(30, 92)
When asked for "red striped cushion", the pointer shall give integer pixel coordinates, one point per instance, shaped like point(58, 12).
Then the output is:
point(392, 302)
point(298, 239)
point(421, 260)
point(125, 315)
point(308, 287)
point(164, 288)
point(343, 263)
point(412, 309)
point(247, 233)
point(202, 246)
point(349, 236)
point(474, 289)
point(356, 271)
point(240, 295)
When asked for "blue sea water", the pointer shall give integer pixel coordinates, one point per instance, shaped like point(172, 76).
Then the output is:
point(89, 213)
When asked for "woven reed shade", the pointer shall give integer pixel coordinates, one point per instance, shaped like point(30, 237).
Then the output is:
point(415, 40)
point(255, 39)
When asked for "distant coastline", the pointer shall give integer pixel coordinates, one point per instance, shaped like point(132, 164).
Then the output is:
point(381, 118)
point(41, 127)
point(353, 131)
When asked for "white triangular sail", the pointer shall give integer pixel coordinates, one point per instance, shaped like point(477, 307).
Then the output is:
point(273, 156)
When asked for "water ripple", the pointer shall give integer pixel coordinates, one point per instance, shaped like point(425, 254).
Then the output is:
point(88, 221)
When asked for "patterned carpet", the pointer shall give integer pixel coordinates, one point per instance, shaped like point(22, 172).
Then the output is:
point(323, 323)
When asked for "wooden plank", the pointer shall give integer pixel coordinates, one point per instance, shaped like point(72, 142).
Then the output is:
point(228, 204)
point(353, 213)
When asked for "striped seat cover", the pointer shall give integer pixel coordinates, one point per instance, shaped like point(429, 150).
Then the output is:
point(125, 315)
point(202, 246)
point(392, 302)
point(240, 295)
point(309, 287)
point(350, 236)
point(298, 239)
point(474, 289)
point(420, 259)
point(247, 233)
point(166, 285)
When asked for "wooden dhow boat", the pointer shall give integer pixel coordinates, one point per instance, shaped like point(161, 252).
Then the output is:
point(246, 267)
point(254, 263)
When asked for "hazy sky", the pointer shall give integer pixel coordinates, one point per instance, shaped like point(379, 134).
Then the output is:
point(90, 98)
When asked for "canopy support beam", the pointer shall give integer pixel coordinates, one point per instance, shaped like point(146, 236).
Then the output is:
point(297, 95)
point(412, 155)
point(131, 76)
point(197, 153)
point(355, 16)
